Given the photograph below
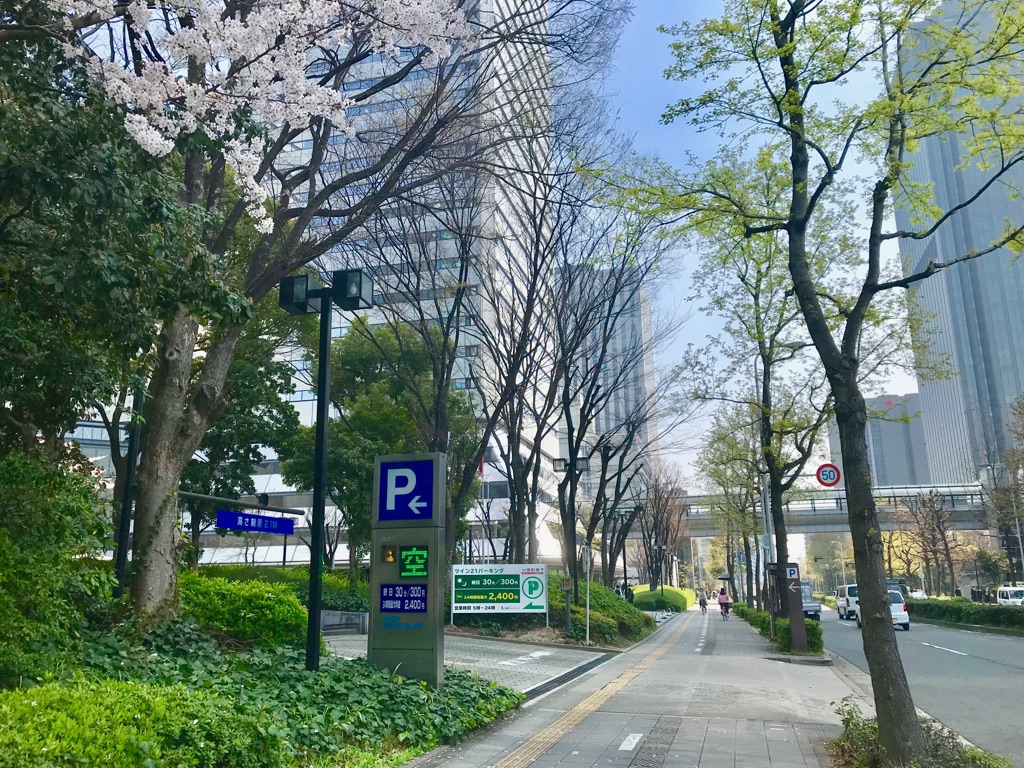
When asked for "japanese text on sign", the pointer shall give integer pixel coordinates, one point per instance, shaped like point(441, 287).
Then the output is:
point(412, 562)
point(240, 521)
point(403, 598)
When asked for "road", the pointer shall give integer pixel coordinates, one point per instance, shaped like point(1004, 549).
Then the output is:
point(971, 682)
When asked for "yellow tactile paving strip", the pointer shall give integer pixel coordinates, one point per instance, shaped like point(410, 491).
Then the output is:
point(525, 754)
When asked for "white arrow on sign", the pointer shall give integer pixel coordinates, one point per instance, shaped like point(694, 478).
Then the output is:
point(416, 505)
point(794, 587)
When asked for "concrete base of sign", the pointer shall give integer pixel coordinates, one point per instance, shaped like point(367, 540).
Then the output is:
point(419, 664)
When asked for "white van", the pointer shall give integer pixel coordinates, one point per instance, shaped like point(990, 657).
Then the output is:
point(847, 601)
point(1010, 596)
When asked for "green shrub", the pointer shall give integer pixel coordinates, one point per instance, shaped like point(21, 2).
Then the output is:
point(244, 613)
point(963, 611)
point(50, 519)
point(673, 599)
point(761, 621)
point(858, 746)
point(603, 630)
point(125, 725)
point(337, 596)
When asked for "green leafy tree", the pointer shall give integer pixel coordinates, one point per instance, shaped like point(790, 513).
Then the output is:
point(378, 414)
point(730, 465)
point(95, 247)
point(777, 74)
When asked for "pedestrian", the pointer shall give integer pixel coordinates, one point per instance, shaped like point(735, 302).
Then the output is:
point(703, 600)
point(629, 594)
point(618, 592)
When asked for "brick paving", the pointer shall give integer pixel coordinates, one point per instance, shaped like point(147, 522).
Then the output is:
point(711, 699)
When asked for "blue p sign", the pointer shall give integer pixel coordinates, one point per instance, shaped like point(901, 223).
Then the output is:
point(406, 490)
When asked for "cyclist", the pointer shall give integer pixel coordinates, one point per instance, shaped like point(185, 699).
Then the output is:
point(703, 604)
point(723, 603)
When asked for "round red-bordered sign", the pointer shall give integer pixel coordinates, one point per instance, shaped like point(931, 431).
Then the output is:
point(828, 475)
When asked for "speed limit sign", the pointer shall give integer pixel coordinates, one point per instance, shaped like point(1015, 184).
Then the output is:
point(828, 475)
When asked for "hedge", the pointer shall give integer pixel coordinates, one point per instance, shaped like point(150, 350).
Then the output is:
point(126, 725)
point(963, 611)
point(674, 599)
point(761, 621)
point(337, 596)
point(243, 613)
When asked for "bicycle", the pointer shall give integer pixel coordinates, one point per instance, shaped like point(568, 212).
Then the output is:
point(725, 611)
point(703, 609)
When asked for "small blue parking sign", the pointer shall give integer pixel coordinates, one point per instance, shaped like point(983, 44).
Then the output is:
point(405, 489)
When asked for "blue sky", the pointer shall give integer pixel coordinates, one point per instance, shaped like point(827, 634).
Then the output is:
point(638, 93)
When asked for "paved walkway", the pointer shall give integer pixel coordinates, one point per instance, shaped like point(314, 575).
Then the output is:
point(700, 692)
point(520, 666)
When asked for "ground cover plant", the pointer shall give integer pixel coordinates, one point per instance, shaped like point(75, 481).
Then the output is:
point(280, 714)
point(858, 745)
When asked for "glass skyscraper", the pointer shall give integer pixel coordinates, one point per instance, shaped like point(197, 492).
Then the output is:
point(975, 313)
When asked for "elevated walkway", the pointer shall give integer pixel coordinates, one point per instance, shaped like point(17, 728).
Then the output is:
point(825, 511)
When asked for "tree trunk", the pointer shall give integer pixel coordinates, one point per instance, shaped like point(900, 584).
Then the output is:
point(781, 607)
point(156, 547)
point(197, 519)
point(749, 572)
point(893, 702)
point(178, 414)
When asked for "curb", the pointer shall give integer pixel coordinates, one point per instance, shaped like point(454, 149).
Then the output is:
point(809, 661)
point(538, 644)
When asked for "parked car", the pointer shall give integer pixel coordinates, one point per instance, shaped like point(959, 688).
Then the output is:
point(897, 610)
point(1010, 596)
point(812, 608)
point(847, 603)
point(918, 595)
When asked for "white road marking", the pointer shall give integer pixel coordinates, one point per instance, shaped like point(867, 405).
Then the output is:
point(950, 650)
point(539, 654)
point(630, 741)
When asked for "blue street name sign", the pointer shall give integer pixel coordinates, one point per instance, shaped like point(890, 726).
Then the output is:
point(406, 490)
point(243, 521)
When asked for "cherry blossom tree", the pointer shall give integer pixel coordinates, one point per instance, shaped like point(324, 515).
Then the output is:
point(289, 123)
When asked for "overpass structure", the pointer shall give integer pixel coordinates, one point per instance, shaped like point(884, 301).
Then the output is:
point(825, 511)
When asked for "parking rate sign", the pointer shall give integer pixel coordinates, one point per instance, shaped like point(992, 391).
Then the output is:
point(499, 588)
point(406, 490)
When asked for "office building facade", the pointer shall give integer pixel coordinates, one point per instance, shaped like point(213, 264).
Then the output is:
point(897, 449)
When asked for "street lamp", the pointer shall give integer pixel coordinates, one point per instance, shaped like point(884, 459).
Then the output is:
point(582, 464)
point(305, 295)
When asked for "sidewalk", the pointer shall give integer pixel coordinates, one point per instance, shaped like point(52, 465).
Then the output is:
point(700, 692)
